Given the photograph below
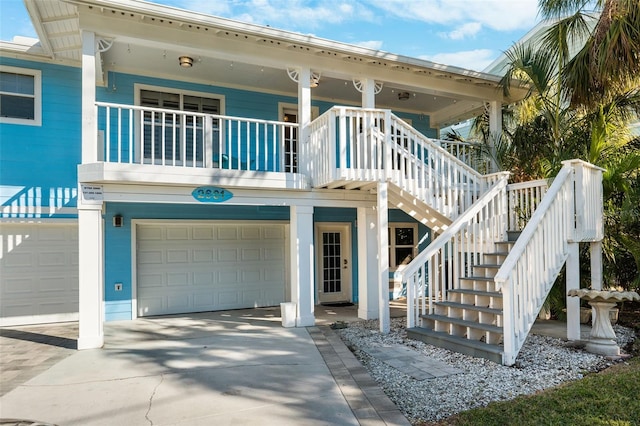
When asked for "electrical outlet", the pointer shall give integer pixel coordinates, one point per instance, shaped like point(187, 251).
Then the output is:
point(118, 286)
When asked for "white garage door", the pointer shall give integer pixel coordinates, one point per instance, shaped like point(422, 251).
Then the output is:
point(39, 273)
point(195, 267)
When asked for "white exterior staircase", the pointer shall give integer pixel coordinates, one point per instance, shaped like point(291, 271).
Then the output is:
point(477, 288)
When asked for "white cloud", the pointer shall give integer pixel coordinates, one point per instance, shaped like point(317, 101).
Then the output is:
point(477, 59)
point(371, 44)
point(470, 29)
point(501, 15)
point(299, 14)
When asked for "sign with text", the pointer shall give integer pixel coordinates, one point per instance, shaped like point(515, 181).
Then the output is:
point(211, 194)
point(91, 194)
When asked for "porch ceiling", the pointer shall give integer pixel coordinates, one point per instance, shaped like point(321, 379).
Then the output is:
point(149, 38)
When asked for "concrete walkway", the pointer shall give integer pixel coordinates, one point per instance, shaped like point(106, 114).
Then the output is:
point(222, 368)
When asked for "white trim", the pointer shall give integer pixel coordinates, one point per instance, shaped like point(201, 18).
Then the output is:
point(134, 247)
point(288, 106)
point(45, 220)
point(37, 319)
point(23, 211)
point(37, 96)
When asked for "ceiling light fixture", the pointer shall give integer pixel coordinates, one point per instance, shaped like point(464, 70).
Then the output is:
point(403, 96)
point(185, 61)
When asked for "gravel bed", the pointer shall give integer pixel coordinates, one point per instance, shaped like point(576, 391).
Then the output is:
point(543, 362)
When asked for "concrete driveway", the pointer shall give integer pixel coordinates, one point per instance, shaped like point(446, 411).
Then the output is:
point(217, 368)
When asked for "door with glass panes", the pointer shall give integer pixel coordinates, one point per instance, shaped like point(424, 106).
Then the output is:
point(333, 248)
point(174, 129)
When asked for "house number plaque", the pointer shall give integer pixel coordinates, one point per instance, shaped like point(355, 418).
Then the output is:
point(211, 194)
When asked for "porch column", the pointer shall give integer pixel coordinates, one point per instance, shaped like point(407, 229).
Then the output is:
point(90, 275)
point(383, 256)
point(573, 282)
point(367, 263)
point(368, 93)
point(495, 124)
point(595, 251)
point(89, 124)
point(304, 119)
point(302, 264)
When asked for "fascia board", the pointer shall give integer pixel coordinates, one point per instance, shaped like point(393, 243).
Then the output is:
point(258, 31)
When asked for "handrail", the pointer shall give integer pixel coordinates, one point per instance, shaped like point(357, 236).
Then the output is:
point(530, 269)
point(460, 246)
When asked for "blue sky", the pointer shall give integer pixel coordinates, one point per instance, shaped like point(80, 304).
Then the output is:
point(465, 33)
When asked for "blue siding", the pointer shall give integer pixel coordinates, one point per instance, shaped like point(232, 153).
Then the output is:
point(39, 163)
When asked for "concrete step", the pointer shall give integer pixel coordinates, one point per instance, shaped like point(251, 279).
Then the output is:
point(473, 348)
point(456, 305)
point(463, 323)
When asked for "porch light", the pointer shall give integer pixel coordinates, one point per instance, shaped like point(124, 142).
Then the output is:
point(403, 96)
point(185, 61)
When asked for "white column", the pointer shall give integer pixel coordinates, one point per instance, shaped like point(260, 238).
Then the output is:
point(302, 264)
point(383, 257)
point(495, 124)
point(368, 93)
point(573, 282)
point(595, 250)
point(304, 119)
point(89, 123)
point(90, 276)
point(367, 263)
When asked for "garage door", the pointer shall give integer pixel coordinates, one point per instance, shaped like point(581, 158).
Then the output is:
point(39, 278)
point(209, 266)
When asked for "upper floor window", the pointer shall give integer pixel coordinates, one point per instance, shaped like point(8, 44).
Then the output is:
point(20, 96)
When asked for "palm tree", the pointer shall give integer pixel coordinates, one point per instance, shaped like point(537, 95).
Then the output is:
point(584, 80)
point(609, 59)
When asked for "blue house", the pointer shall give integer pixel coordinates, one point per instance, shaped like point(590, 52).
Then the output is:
point(158, 161)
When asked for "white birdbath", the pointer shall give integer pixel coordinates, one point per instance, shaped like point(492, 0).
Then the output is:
point(603, 339)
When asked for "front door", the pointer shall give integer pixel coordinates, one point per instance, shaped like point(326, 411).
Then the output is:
point(334, 262)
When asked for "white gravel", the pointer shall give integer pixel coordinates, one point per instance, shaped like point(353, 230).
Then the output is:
point(543, 362)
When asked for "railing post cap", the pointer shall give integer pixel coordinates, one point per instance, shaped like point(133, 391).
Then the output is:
point(577, 161)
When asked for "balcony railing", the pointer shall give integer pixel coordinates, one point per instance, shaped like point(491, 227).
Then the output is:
point(153, 136)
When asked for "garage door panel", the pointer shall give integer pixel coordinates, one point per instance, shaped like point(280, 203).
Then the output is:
point(178, 233)
point(153, 233)
point(249, 255)
point(17, 286)
point(250, 233)
point(150, 280)
point(177, 279)
point(150, 257)
point(217, 266)
point(205, 256)
point(39, 278)
point(178, 256)
point(227, 255)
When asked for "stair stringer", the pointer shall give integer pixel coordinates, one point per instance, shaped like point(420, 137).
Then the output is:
point(417, 208)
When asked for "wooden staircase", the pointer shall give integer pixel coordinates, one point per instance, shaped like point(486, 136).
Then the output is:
point(469, 319)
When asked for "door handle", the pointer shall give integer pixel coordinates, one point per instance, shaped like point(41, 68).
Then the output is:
point(345, 263)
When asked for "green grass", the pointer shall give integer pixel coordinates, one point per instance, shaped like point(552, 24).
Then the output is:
point(611, 397)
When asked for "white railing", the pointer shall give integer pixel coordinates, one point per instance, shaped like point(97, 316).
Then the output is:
point(524, 198)
point(529, 271)
point(452, 255)
point(142, 135)
point(367, 145)
point(473, 154)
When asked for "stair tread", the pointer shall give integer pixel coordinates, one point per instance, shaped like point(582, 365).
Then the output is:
point(488, 265)
point(497, 253)
point(476, 292)
point(470, 307)
point(477, 278)
point(476, 347)
point(464, 323)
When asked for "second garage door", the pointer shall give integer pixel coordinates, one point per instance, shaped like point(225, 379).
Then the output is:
point(195, 267)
